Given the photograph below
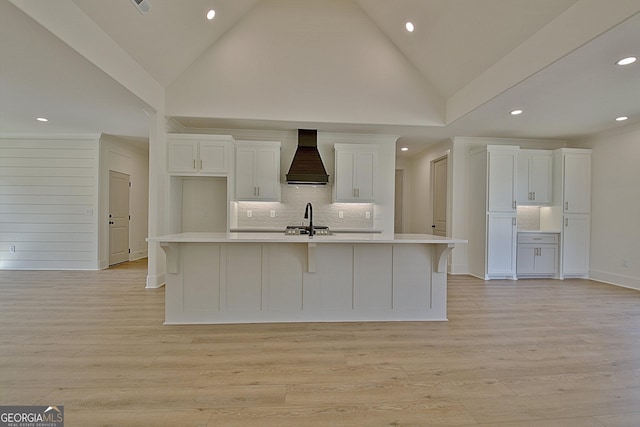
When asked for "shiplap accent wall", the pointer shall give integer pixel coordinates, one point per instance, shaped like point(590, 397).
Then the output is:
point(48, 203)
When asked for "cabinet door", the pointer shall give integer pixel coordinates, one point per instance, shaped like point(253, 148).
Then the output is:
point(540, 167)
point(257, 173)
point(523, 193)
point(268, 173)
point(214, 157)
point(546, 260)
point(502, 180)
point(364, 169)
point(345, 182)
point(246, 165)
point(355, 176)
point(577, 183)
point(182, 156)
point(526, 259)
point(501, 246)
point(575, 247)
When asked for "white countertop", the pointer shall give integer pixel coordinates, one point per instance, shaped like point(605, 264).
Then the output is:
point(280, 237)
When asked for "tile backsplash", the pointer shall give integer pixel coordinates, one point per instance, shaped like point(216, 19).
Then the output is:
point(528, 217)
point(290, 211)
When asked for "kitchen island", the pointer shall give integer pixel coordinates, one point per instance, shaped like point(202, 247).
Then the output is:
point(272, 277)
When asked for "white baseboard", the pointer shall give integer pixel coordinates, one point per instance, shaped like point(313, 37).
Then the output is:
point(615, 279)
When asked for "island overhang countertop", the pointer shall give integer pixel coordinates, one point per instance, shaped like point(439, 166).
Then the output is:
point(269, 237)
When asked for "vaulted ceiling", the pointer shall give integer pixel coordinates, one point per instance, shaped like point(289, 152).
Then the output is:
point(336, 65)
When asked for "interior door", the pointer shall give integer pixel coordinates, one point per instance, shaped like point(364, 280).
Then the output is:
point(439, 225)
point(118, 217)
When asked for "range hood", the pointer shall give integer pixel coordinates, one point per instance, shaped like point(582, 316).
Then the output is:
point(306, 166)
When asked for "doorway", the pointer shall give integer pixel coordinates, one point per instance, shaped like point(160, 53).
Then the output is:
point(439, 193)
point(118, 217)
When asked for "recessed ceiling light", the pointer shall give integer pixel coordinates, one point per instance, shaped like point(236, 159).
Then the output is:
point(210, 14)
point(516, 112)
point(621, 118)
point(626, 61)
point(404, 149)
point(42, 119)
point(409, 26)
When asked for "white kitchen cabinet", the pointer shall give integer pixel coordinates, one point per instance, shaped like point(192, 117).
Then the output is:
point(537, 254)
point(575, 245)
point(200, 154)
point(257, 170)
point(577, 182)
point(571, 208)
point(355, 170)
point(502, 176)
point(501, 246)
point(534, 177)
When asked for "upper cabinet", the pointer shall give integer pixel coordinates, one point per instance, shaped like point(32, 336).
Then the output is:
point(355, 170)
point(257, 170)
point(577, 182)
point(534, 177)
point(200, 154)
point(502, 174)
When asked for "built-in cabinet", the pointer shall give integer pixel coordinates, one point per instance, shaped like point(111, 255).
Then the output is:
point(502, 172)
point(200, 182)
point(537, 254)
point(501, 177)
point(199, 154)
point(355, 173)
point(534, 177)
point(492, 207)
point(257, 170)
point(572, 208)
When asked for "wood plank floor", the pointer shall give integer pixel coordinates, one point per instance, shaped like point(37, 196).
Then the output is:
point(526, 353)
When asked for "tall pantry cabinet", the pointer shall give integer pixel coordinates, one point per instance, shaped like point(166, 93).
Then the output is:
point(571, 211)
point(493, 172)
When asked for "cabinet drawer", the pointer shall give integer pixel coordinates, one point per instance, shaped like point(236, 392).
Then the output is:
point(537, 238)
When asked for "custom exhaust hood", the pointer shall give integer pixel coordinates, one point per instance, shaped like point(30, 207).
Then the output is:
point(306, 166)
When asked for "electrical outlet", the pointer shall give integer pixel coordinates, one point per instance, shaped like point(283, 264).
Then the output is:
point(272, 213)
point(367, 215)
point(12, 248)
point(340, 214)
point(249, 213)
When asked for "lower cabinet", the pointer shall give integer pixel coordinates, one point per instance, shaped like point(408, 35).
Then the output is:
point(501, 245)
point(575, 245)
point(537, 254)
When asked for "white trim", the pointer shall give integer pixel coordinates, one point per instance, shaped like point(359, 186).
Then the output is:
point(621, 280)
point(50, 136)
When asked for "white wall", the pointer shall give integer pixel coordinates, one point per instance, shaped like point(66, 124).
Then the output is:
point(615, 206)
point(131, 158)
point(49, 202)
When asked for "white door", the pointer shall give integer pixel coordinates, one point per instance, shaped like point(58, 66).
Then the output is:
point(439, 225)
point(118, 217)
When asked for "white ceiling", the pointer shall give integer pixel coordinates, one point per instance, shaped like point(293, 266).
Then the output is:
point(468, 63)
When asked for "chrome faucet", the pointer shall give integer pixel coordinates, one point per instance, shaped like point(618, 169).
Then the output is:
point(308, 214)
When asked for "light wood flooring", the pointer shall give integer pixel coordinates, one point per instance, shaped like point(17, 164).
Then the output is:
point(526, 353)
